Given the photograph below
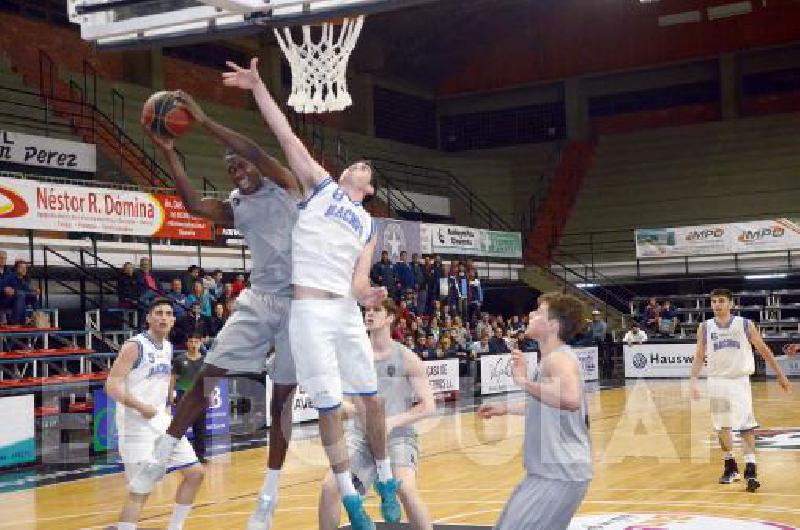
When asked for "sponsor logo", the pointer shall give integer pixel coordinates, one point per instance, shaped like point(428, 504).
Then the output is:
point(394, 240)
point(639, 361)
point(11, 204)
point(705, 235)
point(668, 521)
point(762, 234)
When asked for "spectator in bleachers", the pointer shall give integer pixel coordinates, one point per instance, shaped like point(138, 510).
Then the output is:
point(497, 344)
point(238, 285)
point(217, 320)
point(429, 354)
point(524, 343)
point(636, 335)
point(180, 302)
point(191, 275)
point(474, 297)
point(218, 289)
point(437, 311)
point(483, 326)
point(651, 314)
point(434, 328)
point(5, 270)
point(382, 273)
point(447, 348)
point(453, 294)
point(199, 294)
point(403, 274)
point(398, 331)
point(599, 327)
point(419, 275)
point(463, 291)
point(402, 311)
point(437, 273)
point(191, 323)
point(426, 292)
point(147, 286)
point(420, 345)
point(127, 287)
point(469, 266)
point(18, 293)
point(409, 342)
point(482, 346)
point(667, 319)
point(460, 334)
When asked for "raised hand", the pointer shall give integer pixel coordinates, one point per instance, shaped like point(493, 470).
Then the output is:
point(244, 78)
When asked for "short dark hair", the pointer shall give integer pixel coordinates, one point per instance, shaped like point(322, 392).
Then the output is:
point(568, 310)
point(192, 268)
point(726, 293)
point(195, 335)
point(159, 302)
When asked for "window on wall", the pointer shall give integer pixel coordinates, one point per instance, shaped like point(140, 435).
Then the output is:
point(51, 11)
point(519, 125)
point(773, 82)
point(654, 99)
point(404, 118)
point(208, 54)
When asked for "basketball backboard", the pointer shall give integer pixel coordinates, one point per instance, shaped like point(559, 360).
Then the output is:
point(129, 23)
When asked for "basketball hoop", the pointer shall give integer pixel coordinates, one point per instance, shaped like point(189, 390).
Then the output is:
point(319, 69)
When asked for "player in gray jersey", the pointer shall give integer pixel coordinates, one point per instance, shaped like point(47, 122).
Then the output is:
point(557, 451)
point(263, 207)
point(403, 387)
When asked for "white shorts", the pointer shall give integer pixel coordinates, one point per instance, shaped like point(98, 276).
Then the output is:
point(136, 448)
point(331, 350)
point(258, 323)
point(731, 403)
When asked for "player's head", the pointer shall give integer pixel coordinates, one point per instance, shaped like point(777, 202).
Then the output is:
point(243, 173)
point(380, 316)
point(357, 180)
point(559, 315)
point(160, 316)
point(193, 343)
point(721, 302)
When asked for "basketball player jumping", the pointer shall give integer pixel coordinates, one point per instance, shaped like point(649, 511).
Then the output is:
point(723, 342)
point(557, 452)
point(263, 207)
point(403, 386)
point(139, 382)
point(332, 247)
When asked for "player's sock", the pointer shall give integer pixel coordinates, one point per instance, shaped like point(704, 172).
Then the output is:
point(750, 458)
point(164, 447)
point(384, 469)
point(270, 486)
point(179, 515)
point(345, 483)
point(126, 526)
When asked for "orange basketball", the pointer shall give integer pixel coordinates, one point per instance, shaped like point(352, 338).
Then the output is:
point(166, 115)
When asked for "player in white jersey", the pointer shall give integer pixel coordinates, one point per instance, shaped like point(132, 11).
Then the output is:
point(723, 344)
point(404, 388)
point(332, 247)
point(139, 382)
point(263, 207)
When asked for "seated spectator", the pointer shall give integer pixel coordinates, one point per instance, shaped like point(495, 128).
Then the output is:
point(402, 310)
point(127, 287)
point(481, 346)
point(18, 293)
point(421, 345)
point(667, 319)
point(599, 328)
point(217, 320)
point(5, 270)
point(460, 334)
point(434, 329)
point(447, 348)
point(497, 344)
point(409, 343)
point(191, 275)
point(525, 344)
point(636, 335)
point(218, 289)
point(191, 323)
point(483, 326)
point(437, 310)
point(180, 302)
point(199, 294)
point(651, 314)
point(430, 348)
point(238, 285)
point(399, 330)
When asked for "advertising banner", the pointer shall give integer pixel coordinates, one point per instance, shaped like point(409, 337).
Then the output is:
point(302, 409)
point(462, 240)
point(17, 431)
point(30, 204)
point(659, 360)
point(394, 236)
point(442, 375)
point(589, 361)
point(40, 151)
point(723, 238)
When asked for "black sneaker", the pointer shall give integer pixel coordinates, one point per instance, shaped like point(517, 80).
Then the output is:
point(731, 472)
point(750, 476)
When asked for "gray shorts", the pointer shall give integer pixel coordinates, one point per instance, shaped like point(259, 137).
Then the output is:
point(259, 322)
point(539, 503)
point(403, 452)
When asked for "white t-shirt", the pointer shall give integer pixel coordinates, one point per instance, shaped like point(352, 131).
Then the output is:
point(727, 347)
point(631, 337)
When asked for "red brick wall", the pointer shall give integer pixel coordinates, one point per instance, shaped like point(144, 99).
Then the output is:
point(202, 82)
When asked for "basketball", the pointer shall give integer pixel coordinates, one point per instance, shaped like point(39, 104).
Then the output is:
point(166, 115)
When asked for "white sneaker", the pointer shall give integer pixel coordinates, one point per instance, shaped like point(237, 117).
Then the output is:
point(146, 477)
point(262, 517)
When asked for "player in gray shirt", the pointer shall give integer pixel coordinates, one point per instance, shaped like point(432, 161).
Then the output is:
point(557, 451)
point(263, 207)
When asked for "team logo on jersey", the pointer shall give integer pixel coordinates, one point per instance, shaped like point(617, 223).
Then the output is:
point(391, 370)
point(639, 360)
point(669, 521)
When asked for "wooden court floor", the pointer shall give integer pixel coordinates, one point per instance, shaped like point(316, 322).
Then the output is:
point(653, 449)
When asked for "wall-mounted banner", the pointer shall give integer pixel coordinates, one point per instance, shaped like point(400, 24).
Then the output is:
point(393, 236)
point(450, 239)
point(588, 358)
point(17, 435)
point(40, 151)
point(36, 205)
point(659, 360)
point(722, 238)
point(442, 375)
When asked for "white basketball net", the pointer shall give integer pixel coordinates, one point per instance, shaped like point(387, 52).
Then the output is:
point(319, 68)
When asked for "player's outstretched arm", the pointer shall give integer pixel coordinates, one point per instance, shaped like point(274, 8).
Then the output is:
point(425, 405)
point(241, 145)
point(212, 209)
point(115, 383)
point(300, 160)
point(762, 348)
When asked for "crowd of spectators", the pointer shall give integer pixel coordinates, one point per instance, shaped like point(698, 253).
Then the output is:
point(655, 320)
